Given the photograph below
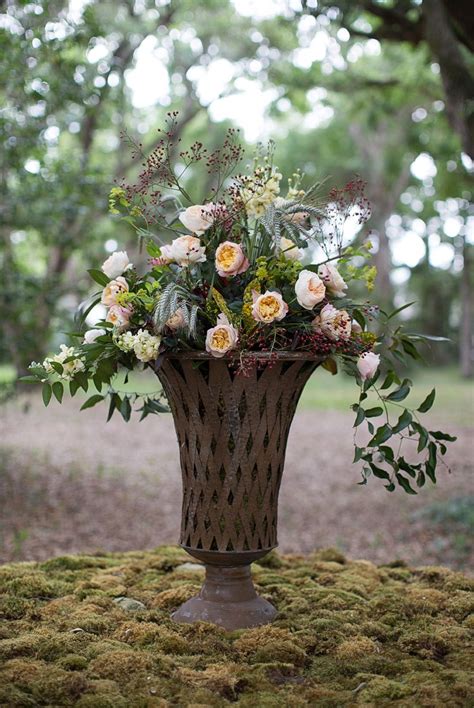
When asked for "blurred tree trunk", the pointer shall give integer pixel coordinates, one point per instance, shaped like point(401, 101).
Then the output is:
point(383, 190)
point(466, 327)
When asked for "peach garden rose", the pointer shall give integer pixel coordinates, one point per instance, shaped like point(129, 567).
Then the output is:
point(119, 316)
point(221, 338)
point(269, 307)
point(332, 279)
point(230, 259)
point(116, 264)
point(186, 250)
point(198, 218)
point(310, 289)
point(112, 290)
point(334, 323)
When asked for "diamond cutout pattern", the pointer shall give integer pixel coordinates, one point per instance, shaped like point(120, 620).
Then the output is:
point(232, 433)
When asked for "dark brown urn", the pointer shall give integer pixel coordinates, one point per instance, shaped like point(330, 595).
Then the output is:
point(232, 432)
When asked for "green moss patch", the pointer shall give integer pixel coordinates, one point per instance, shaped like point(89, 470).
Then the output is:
point(95, 631)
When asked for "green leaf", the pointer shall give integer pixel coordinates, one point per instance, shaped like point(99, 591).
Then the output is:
point(57, 366)
point(359, 317)
point(404, 483)
point(359, 417)
point(58, 390)
point(399, 394)
point(99, 277)
point(403, 421)
point(358, 451)
point(389, 379)
point(379, 472)
point(383, 433)
point(428, 402)
point(73, 387)
point(439, 435)
point(374, 412)
point(125, 409)
point(92, 401)
point(330, 365)
point(421, 479)
point(28, 379)
point(400, 309)
point(115, 402)
point(46, 392)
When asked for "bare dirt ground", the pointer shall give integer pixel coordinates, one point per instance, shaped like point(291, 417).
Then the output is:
point(70, 483)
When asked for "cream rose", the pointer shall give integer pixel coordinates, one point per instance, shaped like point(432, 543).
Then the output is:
point(176, 321)
point(230, 259)
point(116, 264)
point(92, 334)
point(268, 307)
point(221, 338)
point(332, 279)
point(335, 324)
point(119, 316)
point(299, 218)
point(198, 218)
point(310, 289)
point(186, 250)
point(112, 290)
point(290, 250)
point(368, 364)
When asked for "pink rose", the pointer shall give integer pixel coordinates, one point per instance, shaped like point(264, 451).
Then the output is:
point(230, 259)
point(368, 364)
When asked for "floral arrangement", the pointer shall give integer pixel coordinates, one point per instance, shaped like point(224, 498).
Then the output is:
point(249, 272)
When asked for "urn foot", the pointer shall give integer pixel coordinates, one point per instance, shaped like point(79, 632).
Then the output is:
point(228, 598)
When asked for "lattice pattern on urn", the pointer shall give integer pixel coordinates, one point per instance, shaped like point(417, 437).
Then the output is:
point(232, 434)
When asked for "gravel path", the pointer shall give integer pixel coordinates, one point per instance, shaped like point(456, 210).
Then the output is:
point(70, 482)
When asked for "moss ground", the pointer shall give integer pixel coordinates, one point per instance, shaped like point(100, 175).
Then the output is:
point(348, 633)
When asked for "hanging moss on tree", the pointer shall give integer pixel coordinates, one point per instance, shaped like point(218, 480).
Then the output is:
point(95, 631)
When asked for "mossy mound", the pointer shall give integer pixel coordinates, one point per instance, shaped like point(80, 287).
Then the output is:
point(95, 631)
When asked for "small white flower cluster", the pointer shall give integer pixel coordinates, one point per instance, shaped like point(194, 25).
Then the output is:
point(258, 197)
point(144, 344)
point(70, 368)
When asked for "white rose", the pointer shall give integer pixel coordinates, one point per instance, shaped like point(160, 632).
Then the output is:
point(310, 289)
point(332, 279)
point(116, 264)
point(221, 338)
point(268, 307)
point(186, 250)
point(290, 250)
point(92, 334)
point(368, 364)
point(146, 345)
point(198, 218)
point(335, 324)
point(112, 290)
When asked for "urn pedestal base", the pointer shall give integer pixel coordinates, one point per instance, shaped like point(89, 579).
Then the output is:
point(232, 432)
point(227, 598)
